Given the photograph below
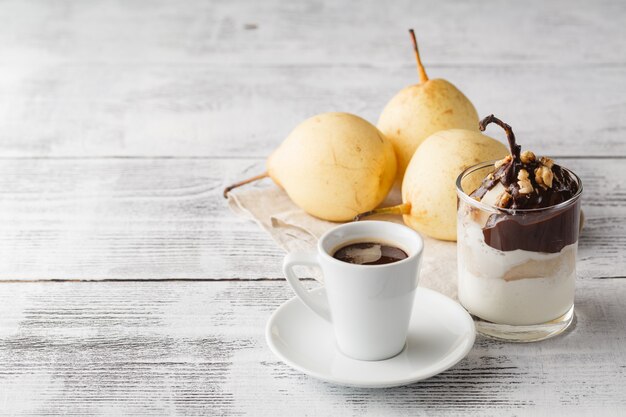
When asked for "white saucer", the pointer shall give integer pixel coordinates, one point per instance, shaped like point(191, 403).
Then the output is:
point(441, 333)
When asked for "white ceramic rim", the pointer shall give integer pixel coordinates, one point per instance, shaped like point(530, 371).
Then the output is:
point(400, 227)
point(448, 362)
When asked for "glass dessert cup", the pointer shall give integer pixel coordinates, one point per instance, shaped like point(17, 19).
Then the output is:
point(516, 267)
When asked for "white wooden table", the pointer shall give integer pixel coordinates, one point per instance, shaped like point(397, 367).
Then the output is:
point(128, 288)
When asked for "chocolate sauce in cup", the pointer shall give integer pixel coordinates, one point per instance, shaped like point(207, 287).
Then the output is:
point(369, 253)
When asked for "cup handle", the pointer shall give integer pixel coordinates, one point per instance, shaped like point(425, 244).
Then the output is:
point(317, 305)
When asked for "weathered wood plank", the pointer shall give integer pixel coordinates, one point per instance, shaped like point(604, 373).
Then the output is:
point(194, 110)
point(229, 79)
point(166, 218)
point(120, 218)
point(196, 348)
point(312, 32)
point(154, 78)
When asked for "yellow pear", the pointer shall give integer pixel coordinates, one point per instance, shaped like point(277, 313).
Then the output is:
point(420, 110)
point(333, 166)
point(429, 190)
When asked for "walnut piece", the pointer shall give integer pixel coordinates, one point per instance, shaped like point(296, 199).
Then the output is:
point(544, 176)
point(547, 162)
point(502, 161)
point(525, 186)
point(504, 199)
point(522, 175)
point(527, 157)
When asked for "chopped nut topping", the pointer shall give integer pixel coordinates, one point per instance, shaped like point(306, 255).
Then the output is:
point(538, 178)
point(522, 175)
point(545, 161)
point(547, 176)
point(504, 200)
point(525, 186)
point(544, 176)
point(527, 157)
point(502, 161)
point(490, 176)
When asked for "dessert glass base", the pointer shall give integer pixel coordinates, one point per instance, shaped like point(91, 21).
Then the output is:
point(528, 333)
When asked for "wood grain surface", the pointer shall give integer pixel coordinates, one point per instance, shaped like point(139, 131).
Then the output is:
point(198, 348)
point(118, 218)
point(233, 78)
point(120, 123)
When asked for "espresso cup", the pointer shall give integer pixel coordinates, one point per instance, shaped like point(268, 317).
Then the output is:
point(369, 306)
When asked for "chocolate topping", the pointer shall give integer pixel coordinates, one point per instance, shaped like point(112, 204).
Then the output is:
point(529, 183)
point(549, 232)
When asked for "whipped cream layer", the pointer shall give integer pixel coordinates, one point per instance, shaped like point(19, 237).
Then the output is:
point(516, 287)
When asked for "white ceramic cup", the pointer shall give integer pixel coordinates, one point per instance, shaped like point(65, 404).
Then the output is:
point(369, 306)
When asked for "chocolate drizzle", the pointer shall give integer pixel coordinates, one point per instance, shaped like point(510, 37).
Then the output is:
point(524, 189)
point(537, 232)
point(509, 171)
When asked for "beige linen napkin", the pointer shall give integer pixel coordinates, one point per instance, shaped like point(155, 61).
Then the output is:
point(294, 230)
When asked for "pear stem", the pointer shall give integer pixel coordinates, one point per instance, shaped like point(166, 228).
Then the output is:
point(399, 209)
point(510, 136)
point(420, 67)
point(240, 183)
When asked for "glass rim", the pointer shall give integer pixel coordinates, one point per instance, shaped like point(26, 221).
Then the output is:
point(487, 207)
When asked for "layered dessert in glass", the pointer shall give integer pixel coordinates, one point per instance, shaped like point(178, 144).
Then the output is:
point(518, 226)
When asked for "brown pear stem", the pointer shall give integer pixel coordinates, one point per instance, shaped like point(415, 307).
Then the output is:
point(510, 136)
point(240, 183)
point(399, 209)
point(420, 68)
